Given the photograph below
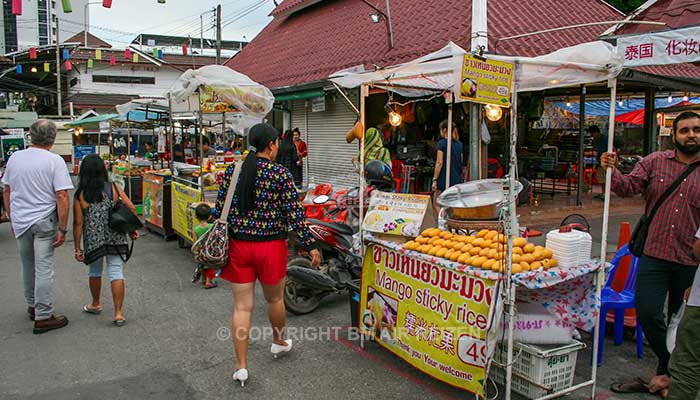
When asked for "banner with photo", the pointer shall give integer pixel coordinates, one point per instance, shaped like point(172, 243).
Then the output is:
point(435, 318)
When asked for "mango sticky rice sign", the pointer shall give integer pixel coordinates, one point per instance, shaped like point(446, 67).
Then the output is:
point(484, 81)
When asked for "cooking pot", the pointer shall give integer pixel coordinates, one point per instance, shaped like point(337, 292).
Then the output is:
point(476, 200)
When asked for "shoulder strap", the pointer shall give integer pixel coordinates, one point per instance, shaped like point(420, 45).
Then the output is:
point(672, 188)
point(119, 197)
point(231, 190)
point(108, 191)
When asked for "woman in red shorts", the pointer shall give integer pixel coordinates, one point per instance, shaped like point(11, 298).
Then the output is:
point(264, 207)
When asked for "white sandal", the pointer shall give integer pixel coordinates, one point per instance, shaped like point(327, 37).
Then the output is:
point(278, 350)
point(241, 376)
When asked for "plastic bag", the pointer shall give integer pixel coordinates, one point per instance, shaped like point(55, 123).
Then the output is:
point(673, 328)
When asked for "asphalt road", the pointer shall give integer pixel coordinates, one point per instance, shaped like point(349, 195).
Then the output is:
point(175, 344)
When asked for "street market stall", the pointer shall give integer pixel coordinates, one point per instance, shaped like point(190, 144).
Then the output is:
point(147, 165)
point(216, 101)
point(458, 304)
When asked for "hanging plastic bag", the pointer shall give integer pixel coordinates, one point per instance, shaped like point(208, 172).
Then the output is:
point(485, 135)
point(673, 328)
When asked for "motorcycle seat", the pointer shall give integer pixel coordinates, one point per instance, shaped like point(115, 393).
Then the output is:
point(340, 228)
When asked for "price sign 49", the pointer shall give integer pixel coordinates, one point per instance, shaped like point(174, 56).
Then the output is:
point(471, 350)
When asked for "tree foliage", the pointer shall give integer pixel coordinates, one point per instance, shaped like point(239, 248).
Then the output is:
point(626, 6)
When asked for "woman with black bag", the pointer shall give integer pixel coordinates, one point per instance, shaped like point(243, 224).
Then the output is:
point(94, 200)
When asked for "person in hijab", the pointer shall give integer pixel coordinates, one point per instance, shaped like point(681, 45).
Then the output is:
point(374, 147)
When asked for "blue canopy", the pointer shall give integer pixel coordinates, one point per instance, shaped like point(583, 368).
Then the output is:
point(601, 108)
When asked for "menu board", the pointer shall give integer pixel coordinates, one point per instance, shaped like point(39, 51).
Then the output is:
point(402, 214)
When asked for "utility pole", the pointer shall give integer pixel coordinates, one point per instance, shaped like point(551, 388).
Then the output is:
point(218, 34)
point(58, 71)
point(479, 41)
point(201, 34)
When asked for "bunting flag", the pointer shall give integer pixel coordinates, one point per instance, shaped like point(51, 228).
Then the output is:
point(155, 53)
point(66, 54)
point(90, 63)
point(16, 7)
point(135, 58)
point(67, 8)
point(127, 53)
point(160, 54)
point(32, 53)
point(184, 50)
point(47, 67)
point(107, 3)
point(112, 60)
point(18, 68)
point(98, 54)
point(69, 66)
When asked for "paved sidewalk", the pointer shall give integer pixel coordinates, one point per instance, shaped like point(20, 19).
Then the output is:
point(174, 345)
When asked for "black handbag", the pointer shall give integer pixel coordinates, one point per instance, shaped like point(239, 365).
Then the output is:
point(641, 230)
point(121, 219)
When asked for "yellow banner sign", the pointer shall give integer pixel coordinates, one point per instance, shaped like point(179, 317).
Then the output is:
point(182, 197)
point(485, 81)
point(433, 317)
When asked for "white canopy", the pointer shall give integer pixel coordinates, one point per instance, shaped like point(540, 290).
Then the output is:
point(243, 101)
point(585, 63)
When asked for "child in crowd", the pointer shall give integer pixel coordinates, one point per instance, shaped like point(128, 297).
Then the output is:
point(203, 212)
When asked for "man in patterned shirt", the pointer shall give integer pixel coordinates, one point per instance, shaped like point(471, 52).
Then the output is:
point(667, 266)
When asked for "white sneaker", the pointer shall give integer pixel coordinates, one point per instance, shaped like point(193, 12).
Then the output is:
point(241, 376)
point(278, 350)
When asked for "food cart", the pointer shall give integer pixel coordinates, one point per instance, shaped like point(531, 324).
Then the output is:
point(148, 174)
point(412, 295)
point(217, 100)
point(91, 136)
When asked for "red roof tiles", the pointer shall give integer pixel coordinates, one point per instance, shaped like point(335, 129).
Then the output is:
point(323, 38)
point(675, 13)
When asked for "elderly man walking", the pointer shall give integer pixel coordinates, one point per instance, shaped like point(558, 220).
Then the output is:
point(667, 266)
point(36, 197)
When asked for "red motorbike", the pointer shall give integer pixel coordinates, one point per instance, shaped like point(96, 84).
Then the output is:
point(306, 286)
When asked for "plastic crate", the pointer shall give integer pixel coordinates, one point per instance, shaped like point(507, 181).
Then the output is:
point(538, 370)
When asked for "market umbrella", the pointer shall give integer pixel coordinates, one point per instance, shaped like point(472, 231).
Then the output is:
point(633, 117)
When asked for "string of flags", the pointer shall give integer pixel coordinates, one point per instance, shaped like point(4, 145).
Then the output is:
point(65, 54)
point(67, 6)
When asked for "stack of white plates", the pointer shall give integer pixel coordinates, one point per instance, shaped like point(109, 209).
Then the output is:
point(571, 249)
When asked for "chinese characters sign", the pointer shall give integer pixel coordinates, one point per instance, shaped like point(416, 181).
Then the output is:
point(661, 48)
point(484, 81)
point(434, 317)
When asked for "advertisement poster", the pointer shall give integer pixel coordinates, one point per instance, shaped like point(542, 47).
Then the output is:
point(153, 199)
point(396, 213)
point(433, 317)
point(232, 99)
point(182, 197)
point(484, 81)
point(80, 152)
point(10, 144)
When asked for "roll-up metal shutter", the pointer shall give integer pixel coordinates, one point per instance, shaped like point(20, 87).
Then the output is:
point(330, 156)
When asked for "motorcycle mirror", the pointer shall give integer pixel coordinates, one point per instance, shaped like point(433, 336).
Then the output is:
point(320, 199)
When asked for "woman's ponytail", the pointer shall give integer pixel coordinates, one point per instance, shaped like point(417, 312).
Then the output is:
point(259, 137)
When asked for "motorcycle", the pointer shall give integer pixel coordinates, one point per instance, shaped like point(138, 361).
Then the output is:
point(307, 286)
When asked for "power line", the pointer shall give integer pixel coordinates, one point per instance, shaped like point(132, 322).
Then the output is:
point(243, 13)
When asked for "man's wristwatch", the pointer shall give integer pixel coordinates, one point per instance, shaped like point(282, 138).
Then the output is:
point(63, 230)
